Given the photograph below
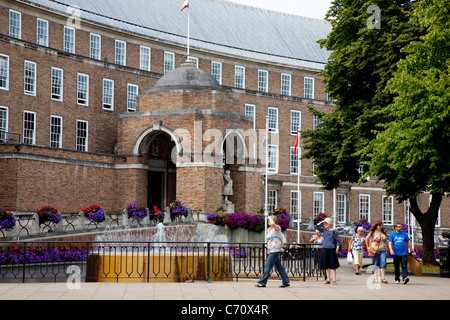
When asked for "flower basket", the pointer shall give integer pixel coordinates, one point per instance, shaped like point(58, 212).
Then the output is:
point(363, 223)
point(446, 234)
point(177, 210)
point(284, 218)
point(94, 213)
point(7, 220)
point(48, 214)
point(136, 211)
point(319, 218)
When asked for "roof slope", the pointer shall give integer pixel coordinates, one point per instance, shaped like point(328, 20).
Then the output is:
point(216, 25)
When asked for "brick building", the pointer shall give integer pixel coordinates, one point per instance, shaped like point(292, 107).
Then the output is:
point(96, 106)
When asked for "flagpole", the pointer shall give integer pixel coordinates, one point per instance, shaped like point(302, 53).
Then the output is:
point(266, 213)
point(189, 33)
point(298, 188)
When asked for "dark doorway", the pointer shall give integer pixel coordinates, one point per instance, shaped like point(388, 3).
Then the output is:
point(155, 189)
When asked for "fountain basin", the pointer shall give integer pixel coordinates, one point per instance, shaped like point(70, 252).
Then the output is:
point(158, 267)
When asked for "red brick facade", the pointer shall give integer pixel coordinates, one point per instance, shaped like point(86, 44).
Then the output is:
point(114, 171)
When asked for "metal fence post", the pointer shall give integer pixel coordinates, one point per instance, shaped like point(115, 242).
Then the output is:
point(208, 262)
point(24, 261)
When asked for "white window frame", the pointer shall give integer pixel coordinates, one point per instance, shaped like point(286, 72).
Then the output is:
point(295, 169)
point(307, 94)
point(272, 200)
point(314, 168)
point(273, 123)
point(42, 38)
point(316, 122)
point(295, 124)
point(56, 143)
point(69, 46)
point(361, 213)
point(294, 201)
point(169, 61)
point(145, 58)
point(286, 84)
point(120, 52)
point(12, 28)
point(30, 80)
point(193, 59)
point(341, 208)
point(4, 123)
point(273, 158)
point(131, 97)
point(250, 111)
point(387, 210)
point(80, 147)
point(94, 51)
point(318, 204)
point(5, 58)
point(108, 95)
point(79, 89)
point(54, 96)
point(237, 79)
point(216, 71)
point(33, 131)
point(263, 81)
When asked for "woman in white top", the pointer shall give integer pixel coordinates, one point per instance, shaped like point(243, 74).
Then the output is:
point(275, 246)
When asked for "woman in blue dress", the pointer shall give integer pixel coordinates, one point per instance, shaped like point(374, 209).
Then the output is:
point(330, 248)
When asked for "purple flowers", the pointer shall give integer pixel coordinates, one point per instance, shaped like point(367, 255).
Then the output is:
point(246, 221)
point(7, 219)
point(11, 256)
point(48, 214)
point(136, 211)
point(363, 223)
point(94, 213)
point(177, 209)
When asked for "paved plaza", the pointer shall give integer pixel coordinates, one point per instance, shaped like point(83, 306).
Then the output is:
point(349, 287)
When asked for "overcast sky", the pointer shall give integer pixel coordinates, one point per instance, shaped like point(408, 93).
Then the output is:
point(307, 8)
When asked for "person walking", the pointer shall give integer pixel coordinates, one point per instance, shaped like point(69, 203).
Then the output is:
point(377, 240)
point(330, 249)
point(356, 246)
point(399, 244)
point(275, 246)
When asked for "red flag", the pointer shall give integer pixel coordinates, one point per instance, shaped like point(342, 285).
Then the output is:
point(185, 5)
point(296, 144)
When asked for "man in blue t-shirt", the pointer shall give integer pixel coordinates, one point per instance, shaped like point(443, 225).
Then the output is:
point(399, 244)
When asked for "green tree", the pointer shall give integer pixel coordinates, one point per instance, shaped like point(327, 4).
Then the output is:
point(410, 153)
point(362, 61)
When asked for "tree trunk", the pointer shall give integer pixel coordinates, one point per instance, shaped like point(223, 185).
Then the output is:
point(427, 222)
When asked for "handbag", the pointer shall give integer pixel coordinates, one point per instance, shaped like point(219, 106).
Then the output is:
point(372, 252)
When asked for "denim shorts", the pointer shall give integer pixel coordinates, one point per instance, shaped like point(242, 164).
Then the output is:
point(380, 259)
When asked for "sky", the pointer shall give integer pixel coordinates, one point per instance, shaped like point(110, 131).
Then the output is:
point(306, 8)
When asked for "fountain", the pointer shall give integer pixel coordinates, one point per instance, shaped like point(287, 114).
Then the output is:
point(161, 254)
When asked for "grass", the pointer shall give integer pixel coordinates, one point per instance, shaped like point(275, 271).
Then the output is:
point(426, 268)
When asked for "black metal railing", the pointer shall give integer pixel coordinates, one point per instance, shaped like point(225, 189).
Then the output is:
point(148, 261)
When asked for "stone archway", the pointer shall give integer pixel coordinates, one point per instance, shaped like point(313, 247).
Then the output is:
point(158, 146)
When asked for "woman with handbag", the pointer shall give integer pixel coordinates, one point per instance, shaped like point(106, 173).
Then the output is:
point(275, 245)
point(330, 249)
point(377, 244)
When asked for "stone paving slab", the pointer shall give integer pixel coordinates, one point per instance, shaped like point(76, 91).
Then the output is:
point(349, 287)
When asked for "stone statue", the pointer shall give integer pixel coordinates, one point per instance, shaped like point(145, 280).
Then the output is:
point(228, 186)
point(227, 191)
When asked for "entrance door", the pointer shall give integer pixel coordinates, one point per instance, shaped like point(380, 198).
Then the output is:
point(155, 189)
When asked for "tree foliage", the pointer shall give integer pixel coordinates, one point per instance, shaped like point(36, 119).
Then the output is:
point(411, 152)
point(392, 91)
